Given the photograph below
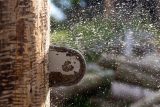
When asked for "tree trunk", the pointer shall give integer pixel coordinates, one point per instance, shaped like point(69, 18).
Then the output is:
point(24, 34)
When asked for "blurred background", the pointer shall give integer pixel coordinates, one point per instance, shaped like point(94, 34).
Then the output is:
point(120, 42)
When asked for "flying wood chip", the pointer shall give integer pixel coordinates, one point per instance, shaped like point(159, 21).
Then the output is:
point(66, 66)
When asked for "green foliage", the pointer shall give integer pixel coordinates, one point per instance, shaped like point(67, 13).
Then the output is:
point(62, 37)
point(75, 1)
point(89, 37)
point(93, 37)
point(144, 25)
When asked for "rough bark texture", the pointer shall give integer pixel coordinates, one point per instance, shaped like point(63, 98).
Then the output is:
point(24, 27)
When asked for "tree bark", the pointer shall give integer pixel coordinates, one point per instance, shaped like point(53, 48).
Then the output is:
point(24, 34)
